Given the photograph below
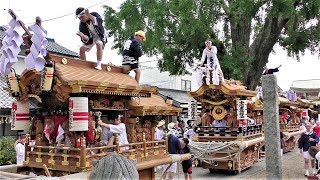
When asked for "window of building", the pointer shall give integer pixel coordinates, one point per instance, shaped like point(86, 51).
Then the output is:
point(185, 85)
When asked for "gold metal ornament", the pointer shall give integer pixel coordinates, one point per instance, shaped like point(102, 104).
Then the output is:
point(64, 61)
point(108, 68)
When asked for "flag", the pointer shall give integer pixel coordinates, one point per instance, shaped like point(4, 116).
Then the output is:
point(60, 133)
point(47, 132)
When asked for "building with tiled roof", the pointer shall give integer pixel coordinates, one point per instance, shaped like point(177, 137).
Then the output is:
point(5, 98)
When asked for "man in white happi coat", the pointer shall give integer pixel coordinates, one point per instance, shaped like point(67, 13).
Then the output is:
point(209, 57)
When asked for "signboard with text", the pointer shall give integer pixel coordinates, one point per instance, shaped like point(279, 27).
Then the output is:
point(242, 109)
point(192, 110)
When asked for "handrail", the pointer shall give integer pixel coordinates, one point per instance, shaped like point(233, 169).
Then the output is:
point(55, 154)
point(101, 147)
point(139, 151)
point(53, 147)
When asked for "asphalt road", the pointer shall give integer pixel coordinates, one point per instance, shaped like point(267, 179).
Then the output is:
point(292, 168)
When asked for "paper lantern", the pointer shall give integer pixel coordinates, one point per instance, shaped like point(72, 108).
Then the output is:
point(78, 114)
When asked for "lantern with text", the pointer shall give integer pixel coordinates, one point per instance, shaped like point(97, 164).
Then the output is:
point(20, 116)
point(78, 114)
point(192, 110)
point(242, 109)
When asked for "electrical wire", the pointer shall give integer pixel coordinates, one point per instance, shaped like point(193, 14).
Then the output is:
point(58, 17)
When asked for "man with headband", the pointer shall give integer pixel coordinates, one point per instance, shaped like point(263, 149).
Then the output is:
point(91, 32)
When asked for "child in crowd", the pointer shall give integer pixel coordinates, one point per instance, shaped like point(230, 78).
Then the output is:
point(187, 164)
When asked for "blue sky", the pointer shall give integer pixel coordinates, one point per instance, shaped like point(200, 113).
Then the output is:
point(64, 30)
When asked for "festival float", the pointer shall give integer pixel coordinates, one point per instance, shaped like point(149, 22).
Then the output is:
point(234, 146)
point(291, 112)
point(78, 96)
point(72, 96)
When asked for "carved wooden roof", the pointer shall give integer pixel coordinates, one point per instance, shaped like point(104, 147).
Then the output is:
point(83, 78)
point(232, 88)
point(153, 105)
point(254, 104)
point(305, 103)
point(286, 102)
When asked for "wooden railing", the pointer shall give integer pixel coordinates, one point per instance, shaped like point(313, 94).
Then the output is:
point(289, 127)
point(230, 133)
point(81, 159)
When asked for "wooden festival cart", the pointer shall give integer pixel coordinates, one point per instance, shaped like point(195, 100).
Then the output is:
point(72, 96)
point(235, 146)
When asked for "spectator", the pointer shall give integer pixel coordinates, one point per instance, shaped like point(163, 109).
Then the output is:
point(174, 147)
point(20, 148)
point(307, 139)
point(316, 129)
point(282, 142)
point(190, 133)
point(315, 153)
point(179, 129)
point(159, 131)
point(186, 164)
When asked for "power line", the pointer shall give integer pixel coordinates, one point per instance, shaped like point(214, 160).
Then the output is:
point(58, 17)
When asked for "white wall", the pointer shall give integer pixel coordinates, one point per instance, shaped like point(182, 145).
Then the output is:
point(311, 83)
point(154, 77)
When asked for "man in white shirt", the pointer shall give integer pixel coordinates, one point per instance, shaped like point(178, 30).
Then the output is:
point(20, 149)
point(117, 127)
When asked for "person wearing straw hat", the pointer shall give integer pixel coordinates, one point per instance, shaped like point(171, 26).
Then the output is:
point(91, 32)
point(174, 147)
point(132, 51)
point(159, 131)
point(307, 140)
point(20, 148)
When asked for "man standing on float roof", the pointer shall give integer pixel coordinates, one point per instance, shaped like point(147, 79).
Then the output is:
point(131, 53)
point(91, 32)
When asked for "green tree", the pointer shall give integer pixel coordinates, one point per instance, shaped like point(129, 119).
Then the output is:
point(7, 151)
point(176, 31)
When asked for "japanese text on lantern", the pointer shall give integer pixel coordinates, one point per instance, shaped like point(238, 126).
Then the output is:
point(241, 109)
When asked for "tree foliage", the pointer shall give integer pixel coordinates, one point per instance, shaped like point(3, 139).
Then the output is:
point(7, 151)
point(244, 31)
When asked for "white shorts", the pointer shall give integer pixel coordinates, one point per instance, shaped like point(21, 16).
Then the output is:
point(173, 167)
point(96, 40)
point(306, 155)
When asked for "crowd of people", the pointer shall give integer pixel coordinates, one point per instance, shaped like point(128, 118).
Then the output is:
point(178, 139)
point(308, 143)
